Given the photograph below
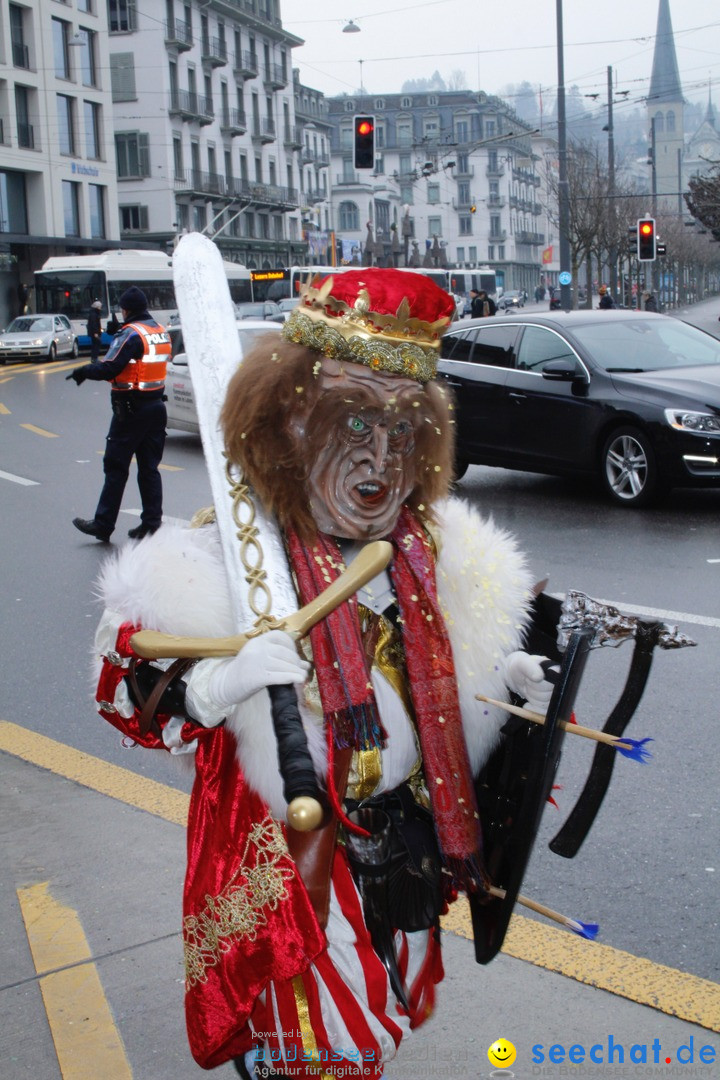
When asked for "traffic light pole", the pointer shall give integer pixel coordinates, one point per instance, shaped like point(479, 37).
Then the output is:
point(563, 188)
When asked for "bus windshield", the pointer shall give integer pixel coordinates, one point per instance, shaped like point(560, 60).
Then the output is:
point(70, 292)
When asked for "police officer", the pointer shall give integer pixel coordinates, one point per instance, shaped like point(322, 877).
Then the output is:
point(135, 366)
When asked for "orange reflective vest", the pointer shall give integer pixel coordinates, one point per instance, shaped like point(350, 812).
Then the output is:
point(148, 372)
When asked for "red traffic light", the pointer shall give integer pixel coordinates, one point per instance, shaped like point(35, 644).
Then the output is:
point(365, 127)
point(646, 228)
point(646, 239)
point(364, 142)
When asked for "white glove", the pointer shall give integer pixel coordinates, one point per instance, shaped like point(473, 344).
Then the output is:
point(525, 677)
point(268, 660)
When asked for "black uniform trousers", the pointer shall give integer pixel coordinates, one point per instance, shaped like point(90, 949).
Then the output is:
point(137, 427)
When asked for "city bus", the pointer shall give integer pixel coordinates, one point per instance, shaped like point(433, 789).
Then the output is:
point(68, 284)
point(482, 277)
point(300, 274)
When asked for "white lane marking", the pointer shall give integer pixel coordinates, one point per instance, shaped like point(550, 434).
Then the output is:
point(166, 520)
point(655, 613)
point(17, 479)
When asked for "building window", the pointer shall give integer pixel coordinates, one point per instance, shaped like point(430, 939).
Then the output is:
point(472, 254)
point(670, 121)
point(461, 255)
point(494, 225)
point(133, 218)
point(465, 224)
point(87, 58)
point(464, 193)
point(121, 16)
point(178, 158)
point(405, 164)
point(199, 218)
point(406, 194)
point(489, 129)
point(61, 53)
point(433, 193)
point(462, 131)
point(406, 103)
point(463, 163)
point(122, 76)
point(349, 217)
point(379, 165)
point(659, 122)
point(434, 226)
point(25, 130)
point(432, 99)
point(404, 132)
point(501, 252)
point(93, 148)
point(491, 253)
point(85, 5)
point(66, 126)
point(71, 207)
point(13, 207)
point(96, 195)
point(133, 155)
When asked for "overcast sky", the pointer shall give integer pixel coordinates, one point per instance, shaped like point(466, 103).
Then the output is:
point(496, 44)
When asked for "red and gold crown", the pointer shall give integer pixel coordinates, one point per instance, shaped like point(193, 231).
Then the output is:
point(390, 320)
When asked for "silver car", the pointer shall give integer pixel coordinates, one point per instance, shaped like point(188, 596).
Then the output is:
point(181, 411)
point(38, 337)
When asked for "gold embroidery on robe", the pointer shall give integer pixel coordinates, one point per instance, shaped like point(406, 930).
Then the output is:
point(258, 885)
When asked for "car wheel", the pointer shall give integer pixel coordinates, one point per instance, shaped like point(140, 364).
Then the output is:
point(75, 349)
point(628, 467)
point(52, 351)
point(461, 467)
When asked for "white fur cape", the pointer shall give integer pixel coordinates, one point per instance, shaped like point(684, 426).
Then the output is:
point(174, 581)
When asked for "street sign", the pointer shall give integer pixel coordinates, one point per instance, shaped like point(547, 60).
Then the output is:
point(565, 278)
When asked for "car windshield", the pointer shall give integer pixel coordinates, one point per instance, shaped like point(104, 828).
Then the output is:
point(647, 345)
point(29, 324)
point(250, 311)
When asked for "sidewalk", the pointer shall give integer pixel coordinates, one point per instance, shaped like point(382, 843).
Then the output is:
point(114, 877)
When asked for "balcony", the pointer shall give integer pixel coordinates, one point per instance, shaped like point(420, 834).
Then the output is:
point(213, 52)
point(178, 35)
point(527, 176)
point(264, 196)
point(20, 55)
point(495, 201)
point(233, 122)
point(314, 195)
point(307, 156)
point(26, 136)
point(246, 65)
point(191, 106)
point(263, 131)
point(464, 203)
point(525, 237)
point(275, 77)
point(196, 182)
point(464, 173)
point(292, 138)
point(495, 170)
point(498, 237)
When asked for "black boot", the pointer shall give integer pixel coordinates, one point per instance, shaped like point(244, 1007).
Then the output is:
point(142, 530)
point(91, 528)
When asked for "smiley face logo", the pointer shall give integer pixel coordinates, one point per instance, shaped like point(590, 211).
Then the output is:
point(502, 1053)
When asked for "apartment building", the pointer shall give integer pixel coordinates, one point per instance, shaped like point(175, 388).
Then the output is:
point(455, 182)
point(205, 129)
point(57, 157)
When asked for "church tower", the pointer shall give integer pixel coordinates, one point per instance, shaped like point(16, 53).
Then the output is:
point(665, 112)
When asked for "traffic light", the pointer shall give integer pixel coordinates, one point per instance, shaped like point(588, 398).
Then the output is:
point(364, 142)
point(632, 240)
point(660, 250)
point(646, 239)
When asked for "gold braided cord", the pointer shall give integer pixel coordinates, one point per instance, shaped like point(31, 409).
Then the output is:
point(251, 552)
point(355, 344)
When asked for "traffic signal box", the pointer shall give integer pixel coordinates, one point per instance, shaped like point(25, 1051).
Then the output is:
point(646, 242)
point(364, 142)
point(632, 240)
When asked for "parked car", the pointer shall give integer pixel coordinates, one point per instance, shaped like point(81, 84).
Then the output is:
point(181, 411)
point(38, 337)
point(514, 298)
point(260, 309)
point(628, 397)
point(287, 306)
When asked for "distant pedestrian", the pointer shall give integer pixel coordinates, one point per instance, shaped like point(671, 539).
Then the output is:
point(482, 305)
point(606, 300)
point(649, 302)
point(135, 365)
point(94, 329)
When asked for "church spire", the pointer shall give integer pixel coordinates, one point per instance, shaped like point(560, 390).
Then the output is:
point(665, 79)
point(710, 113)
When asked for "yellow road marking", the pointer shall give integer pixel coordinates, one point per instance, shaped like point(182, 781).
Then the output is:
point(676, 993)
point(4, 409)
point(121, 784)
point(86, 1040)
point(40, 431)
point(171, 468)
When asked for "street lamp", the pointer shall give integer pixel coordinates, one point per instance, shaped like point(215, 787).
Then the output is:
point(563, 192)
point(351, 28)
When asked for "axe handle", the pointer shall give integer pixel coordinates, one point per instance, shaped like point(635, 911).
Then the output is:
point(152, 645)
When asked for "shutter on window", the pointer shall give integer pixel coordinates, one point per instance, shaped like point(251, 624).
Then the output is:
point(144, 153)
point(122, 77)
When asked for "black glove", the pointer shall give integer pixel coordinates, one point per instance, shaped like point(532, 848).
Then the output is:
point(79, 374)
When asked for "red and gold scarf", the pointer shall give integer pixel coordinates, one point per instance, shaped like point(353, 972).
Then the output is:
point(346, 688)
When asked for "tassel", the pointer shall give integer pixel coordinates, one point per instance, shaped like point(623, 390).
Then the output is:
point(634, 749)
point(589, 931)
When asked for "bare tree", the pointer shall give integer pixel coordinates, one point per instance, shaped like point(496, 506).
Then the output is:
point(703, 200)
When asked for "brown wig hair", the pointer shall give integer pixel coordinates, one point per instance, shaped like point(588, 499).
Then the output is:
point(279, 379)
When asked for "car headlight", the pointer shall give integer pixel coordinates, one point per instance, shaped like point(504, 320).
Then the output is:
point(38, 341)
point(698, 422)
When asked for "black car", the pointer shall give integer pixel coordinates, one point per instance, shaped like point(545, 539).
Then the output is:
point(630, 397)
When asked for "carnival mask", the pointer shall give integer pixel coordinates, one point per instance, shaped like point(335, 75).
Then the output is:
point(360, 445)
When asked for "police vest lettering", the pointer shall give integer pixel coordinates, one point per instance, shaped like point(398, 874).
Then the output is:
point(148, 372)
